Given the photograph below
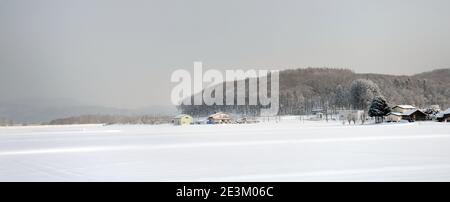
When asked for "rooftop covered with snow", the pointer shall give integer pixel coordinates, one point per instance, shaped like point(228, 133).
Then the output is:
point(409, 112)
point(446, 111)
point(405, 106)
point(395, 113)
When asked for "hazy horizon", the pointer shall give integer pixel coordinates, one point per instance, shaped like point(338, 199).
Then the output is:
point(121, 53)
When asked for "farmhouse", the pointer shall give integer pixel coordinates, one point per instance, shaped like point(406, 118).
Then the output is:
point(444, 116)
point(414, 115)
point(182, 119)
point(219, 118)
point(394, 117)
point(402, 108)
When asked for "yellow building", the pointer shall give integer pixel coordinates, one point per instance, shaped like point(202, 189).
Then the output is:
point(183, 119)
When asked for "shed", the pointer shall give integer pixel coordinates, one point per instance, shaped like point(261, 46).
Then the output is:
point(183, 119)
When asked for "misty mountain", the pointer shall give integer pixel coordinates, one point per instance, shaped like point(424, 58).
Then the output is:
point(30, 112)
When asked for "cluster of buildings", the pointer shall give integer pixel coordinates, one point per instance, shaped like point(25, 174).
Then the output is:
point(397, 114)
point(411, 113)
point(216, 118)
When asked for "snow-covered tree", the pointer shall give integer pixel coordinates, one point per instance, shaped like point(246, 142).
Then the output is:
point(432, 111)
point(362, 91)
point(341, 97)
point(379, 108)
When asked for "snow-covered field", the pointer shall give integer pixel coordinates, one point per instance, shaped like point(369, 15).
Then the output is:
point(287, 151)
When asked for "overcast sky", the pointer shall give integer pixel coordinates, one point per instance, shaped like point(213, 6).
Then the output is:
point(122, 53)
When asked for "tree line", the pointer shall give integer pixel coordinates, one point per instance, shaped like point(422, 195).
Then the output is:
point(304, 90)
point(112, 119)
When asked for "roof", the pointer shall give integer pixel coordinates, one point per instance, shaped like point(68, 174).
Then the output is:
point(442, 113)
point(395, 113)
point(446, 111)
point(220, 115)
point(409, 112)
point(405, 106)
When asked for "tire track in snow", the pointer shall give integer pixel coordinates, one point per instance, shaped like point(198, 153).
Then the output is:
point(216, 144)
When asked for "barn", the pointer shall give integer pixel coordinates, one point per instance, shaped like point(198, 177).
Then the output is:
point(414, 115)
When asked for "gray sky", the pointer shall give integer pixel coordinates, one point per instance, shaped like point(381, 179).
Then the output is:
point(122, 53)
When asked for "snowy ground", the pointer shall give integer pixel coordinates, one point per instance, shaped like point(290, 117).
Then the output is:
point(291, 150)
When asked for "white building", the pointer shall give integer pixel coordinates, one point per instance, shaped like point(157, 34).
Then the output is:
point(402, 108)
point(394, 117)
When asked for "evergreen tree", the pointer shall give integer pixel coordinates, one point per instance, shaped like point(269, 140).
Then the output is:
point(379, 108)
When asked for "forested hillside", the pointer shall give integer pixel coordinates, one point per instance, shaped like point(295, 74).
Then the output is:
point(303, 90)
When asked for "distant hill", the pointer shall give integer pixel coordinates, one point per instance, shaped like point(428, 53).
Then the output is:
point(442, 75)
point(302, 90)
point(111, 119)
point(27, 112)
